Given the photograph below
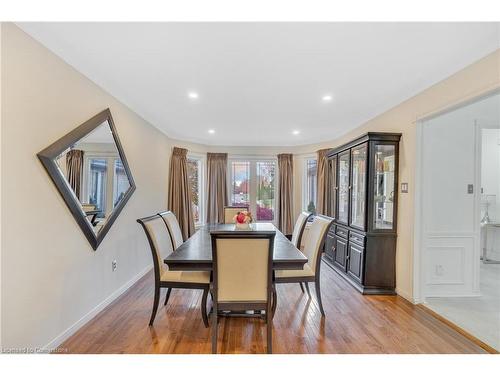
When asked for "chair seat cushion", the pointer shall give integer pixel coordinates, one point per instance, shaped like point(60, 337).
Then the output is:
point(306, 272)
point(200, 277)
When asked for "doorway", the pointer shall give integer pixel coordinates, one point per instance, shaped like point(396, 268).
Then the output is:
point(458, 246)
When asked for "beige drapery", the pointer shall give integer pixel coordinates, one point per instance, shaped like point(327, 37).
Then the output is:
point(285, 188)
point(74, 167)
point(321, 198)
point(216, 187)
point(179, 192)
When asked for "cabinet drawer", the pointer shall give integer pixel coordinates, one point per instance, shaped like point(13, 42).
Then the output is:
point(357, 238)
point(342, 232)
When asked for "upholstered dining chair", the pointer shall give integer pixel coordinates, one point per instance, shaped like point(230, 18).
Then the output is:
point(173, 228)
point(312, 249)
point(231, 211)
point(161, 246)
point(242, 276)
point(298, 231)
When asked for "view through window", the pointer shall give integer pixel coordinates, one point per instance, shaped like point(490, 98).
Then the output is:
point(310, 185)
point(240, 180)
point(253, 184)
point(194, 166)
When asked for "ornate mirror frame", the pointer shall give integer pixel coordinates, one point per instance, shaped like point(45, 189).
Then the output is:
point(48, 159)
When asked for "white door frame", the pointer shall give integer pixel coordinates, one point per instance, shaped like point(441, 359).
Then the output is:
point(418, 235)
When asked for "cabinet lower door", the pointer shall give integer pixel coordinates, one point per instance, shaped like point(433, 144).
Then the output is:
point(340, 252)
point(355, 262)
point(330, 246)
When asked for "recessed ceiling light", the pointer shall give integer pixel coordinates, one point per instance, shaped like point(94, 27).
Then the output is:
point(327, 98)
point(296, 132)
point(193, 95)
point(211, 131)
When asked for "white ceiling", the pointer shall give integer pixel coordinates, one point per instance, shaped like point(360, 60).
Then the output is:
point(257, 82)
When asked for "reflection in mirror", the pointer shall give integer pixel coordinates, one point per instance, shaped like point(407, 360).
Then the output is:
point(90, 170)
point(93, 169)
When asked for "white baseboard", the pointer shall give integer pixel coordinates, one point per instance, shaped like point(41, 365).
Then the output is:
point(452, 295)
point(406, 295)
point(96, 310)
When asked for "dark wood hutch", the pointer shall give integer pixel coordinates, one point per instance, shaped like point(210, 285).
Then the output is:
point(363, 198)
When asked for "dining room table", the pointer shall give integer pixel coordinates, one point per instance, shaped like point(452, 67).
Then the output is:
point(195, 254)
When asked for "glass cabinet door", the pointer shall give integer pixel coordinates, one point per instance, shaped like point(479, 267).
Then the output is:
point(343, 187)
point(384, 186)
point(332, 185)
point(358, 186)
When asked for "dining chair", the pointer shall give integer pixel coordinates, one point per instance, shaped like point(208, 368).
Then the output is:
point(173, 228)
point(242, 277)
point(298, 229)
point(231, 211)
point(312, 249)
point(161, 246)
point(298, 232)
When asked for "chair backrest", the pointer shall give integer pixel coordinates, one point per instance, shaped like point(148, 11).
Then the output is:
point(173, 228)
point(88, 207)
point(315, 240)
point(242, 267)
point(298, 230)
point(231, 211)
point(159, 241)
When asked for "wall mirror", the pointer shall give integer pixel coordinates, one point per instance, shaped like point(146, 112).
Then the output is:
point(90, 170)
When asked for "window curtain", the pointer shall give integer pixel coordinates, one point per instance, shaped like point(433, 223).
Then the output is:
point(285, 188)
point(74, 167)
point(321, 198)
point(216, 187)
point(179, 192)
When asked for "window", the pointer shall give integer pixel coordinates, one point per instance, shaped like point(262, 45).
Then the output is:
point(265, 202)
point(195, 165)
point(252, 183)
point(104, 183)
point(310, 183)
point(97, 184)
point(121, 183)
point(240, 181)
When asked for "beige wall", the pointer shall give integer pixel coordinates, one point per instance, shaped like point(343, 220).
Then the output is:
point(51, 277)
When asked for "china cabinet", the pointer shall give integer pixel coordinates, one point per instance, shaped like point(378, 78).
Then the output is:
point(362, 199)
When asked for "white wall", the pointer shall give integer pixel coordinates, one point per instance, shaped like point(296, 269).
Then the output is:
point(52, 280)
point(450, 229)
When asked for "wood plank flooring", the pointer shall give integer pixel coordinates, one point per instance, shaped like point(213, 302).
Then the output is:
point(354, 324)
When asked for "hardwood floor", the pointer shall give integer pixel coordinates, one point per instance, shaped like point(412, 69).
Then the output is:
point(354, 324)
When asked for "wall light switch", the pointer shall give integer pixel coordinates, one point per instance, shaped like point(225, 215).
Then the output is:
point(114, 265)
point(404, 187)
point(470, 189)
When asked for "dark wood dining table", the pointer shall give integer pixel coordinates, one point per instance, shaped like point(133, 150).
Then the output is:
point(196, 253)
